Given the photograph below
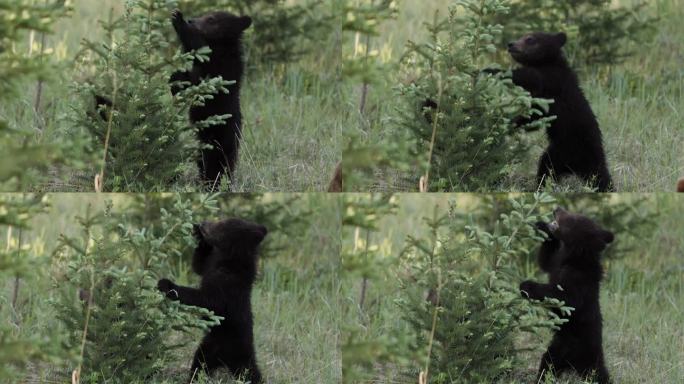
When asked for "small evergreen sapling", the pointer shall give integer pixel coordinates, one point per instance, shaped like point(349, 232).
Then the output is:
point(462, 297)
point(160, 228)
point(117, 322)
point(142, 133)
point(469, 123)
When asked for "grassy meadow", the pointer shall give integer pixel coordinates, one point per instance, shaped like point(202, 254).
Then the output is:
point(638, 105)
point(291, 119)
point(294, 299)
point(330, 285)
point(642, 294)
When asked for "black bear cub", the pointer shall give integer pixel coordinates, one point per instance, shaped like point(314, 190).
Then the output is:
point(222, 32)
point(570, 255)
point(575, 142)
point(226, 258)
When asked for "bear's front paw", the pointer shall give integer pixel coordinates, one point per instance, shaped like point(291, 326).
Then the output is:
point(168, 288)
point(544, 227)
point(177, 18)
point(540, 225)
point(526, 288)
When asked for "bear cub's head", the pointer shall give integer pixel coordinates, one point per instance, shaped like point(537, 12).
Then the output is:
point(229, 244)
point(220, 26)
point(578, 231)
point(537, 48)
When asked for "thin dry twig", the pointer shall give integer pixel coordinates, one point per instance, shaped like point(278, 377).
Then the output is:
point(426, 179)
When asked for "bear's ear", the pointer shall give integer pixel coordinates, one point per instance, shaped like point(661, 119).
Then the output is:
point(561, 38)
point(244, 22)
point(213, 233)
point(607, 236)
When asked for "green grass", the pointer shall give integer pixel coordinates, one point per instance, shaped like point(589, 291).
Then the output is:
point(291, 130)
point(295, 298)
point(642, 296)
point(637, 104)
point(291, 140)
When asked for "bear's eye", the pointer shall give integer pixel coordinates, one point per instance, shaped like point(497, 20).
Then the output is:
point(529, 40)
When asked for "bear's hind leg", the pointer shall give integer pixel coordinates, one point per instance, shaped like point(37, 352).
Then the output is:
point(229, 161)
point(545, 169)
point(211, 165)
point(544, 368)
point(603, 180)
point(597, 178)
point(202, 362)
point(602, 376)
point(229, 146)
point(218, 160)
point(551, 366)
point(555, 359)
point(597, 373)
point(246, 370)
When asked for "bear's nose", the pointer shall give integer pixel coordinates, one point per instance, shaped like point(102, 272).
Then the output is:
point(553, 226)
point(263, 230)
point(510, 45)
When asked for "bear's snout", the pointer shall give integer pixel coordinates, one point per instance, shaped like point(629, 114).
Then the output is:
point(553, 226)
point(205, 230)
point(262, 230)
point(514, 47)
point(197, 231)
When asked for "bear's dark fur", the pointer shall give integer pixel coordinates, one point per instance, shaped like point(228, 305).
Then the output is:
point(570, 256)
point(226, 258)
point(575, 142)
point(222, 32)
point(336, 182)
